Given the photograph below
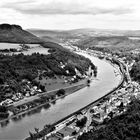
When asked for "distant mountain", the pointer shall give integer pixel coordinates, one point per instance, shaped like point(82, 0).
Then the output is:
point(56, 36)
point(91, 38)
point(83, 33)
point(15, 34)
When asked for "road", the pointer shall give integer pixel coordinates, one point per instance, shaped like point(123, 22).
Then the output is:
point(31, 98)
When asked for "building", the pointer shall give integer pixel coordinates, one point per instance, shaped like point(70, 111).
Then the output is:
point(66, 132)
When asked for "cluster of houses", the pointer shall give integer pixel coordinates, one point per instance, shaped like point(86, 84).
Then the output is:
point(77, 76)
point(108, 108)
point(135, 51)
point(113, 106)
point(29, 90)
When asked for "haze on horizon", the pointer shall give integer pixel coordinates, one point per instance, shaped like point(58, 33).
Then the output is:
point(72, 14)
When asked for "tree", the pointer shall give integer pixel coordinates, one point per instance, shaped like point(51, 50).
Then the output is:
point(110, 114)
point(31, 135)
point(36, 130)
point(74, 133)
point(81, 123)
point(3, 109)
point(60, 92)
point(42, 87)
point(1, 80)
point(88, 81)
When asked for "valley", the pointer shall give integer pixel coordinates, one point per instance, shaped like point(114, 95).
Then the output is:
point(45, 84)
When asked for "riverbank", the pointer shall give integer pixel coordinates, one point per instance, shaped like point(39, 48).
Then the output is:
point(69, 90)
point(51, 95)
point(93, 103)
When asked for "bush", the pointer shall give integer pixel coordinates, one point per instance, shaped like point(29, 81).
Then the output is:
point(3, 109)
point(81, 123)
point(60, 92)
point(42, 88)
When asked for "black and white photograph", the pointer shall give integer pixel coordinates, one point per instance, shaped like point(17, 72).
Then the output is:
point(69, 69)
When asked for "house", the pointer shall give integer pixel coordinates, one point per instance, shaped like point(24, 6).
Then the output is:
point(27, 94)
point(95, 109)
point(19, 95)
point(34, 87)
point(14, 97)
point(7, 102)
point(66, 132)
point(97, 118)
point(100, 114)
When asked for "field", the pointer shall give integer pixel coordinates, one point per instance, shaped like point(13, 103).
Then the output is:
point(33, 48)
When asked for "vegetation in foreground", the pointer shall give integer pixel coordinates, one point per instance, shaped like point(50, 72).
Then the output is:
point(123, 127)
point(135, 71)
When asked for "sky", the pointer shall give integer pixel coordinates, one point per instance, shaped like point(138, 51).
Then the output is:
point(72, 14)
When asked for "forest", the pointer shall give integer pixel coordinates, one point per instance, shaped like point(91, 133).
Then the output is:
point(15, 68)
point(18, 67)
point(135, 71)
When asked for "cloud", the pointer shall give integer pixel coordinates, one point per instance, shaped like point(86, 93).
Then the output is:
point(63, 8)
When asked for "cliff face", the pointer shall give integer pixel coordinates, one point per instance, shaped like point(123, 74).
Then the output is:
point(9, 27)
point(15, 34)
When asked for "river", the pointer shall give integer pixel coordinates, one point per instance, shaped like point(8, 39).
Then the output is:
point(106, 80)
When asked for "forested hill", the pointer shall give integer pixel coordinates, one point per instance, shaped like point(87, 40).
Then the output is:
point(14, 68)
point(135, 71)
point(15, 34)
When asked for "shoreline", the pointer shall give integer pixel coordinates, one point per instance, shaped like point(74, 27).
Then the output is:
point(69, 90)
point(121, 72)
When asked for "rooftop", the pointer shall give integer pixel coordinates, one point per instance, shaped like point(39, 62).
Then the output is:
point(66, 131)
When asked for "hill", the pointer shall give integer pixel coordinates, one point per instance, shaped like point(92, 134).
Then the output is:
point(113, 40)
point(15, 34)
point(56, 36)
point(110, 42)
point(53, 69)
